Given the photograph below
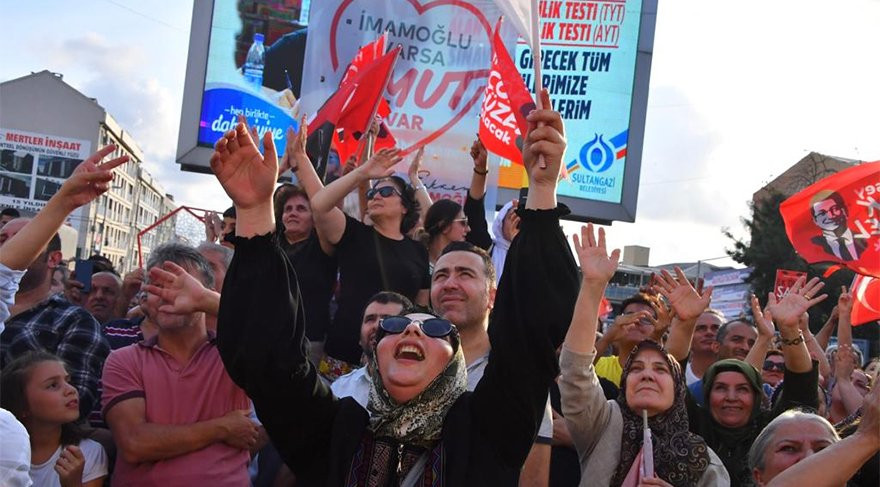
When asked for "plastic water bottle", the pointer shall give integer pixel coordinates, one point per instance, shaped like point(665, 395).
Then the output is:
point(254, 62)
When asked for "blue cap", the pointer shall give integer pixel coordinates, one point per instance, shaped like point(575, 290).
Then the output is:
point(258, 37)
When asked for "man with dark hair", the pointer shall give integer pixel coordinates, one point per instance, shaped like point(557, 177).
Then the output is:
point(703, 345)
point(830, 215)
point(40, 320)
point(635, 323)
point(228, 227)
point(174, 412)
point(734, 340)
point(463, 291)
point(356, 384)
point(7, 215)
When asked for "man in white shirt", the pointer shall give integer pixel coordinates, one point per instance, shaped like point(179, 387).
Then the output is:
point(830, 215)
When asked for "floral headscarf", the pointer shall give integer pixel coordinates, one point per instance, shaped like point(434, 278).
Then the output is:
point(680, 457)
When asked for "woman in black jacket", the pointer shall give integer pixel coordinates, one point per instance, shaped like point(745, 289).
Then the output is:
point(461, 439)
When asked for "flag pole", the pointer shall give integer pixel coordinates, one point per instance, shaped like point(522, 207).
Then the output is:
point(363, 139)
point(536, 66)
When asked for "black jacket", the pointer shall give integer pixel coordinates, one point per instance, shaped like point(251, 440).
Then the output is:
point(486, 435)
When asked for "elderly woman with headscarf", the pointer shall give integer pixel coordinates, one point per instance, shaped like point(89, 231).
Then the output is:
point(608, 434)
point(733, 415)
point(423, 428)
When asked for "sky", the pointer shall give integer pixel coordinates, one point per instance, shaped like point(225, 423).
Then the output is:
point(739, 92)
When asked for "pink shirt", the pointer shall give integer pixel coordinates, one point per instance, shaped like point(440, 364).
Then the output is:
point(177, 394)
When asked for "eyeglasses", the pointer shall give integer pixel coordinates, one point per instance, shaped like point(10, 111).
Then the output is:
point(433, 327)
point(384, 191)
point(770, 365)
point(463, 221)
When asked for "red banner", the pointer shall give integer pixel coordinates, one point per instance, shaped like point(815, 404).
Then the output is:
point(785, 279)
point(506, 103)
point(838, 219)
point(866, 300)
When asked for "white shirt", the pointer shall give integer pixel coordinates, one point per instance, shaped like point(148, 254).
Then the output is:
point(44, 474)
point(15, 452)
point(9, 280)
point(355, 384)
point(689, 376)
point(834, 245)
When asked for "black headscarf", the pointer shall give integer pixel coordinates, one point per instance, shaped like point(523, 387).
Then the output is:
point(680, 457)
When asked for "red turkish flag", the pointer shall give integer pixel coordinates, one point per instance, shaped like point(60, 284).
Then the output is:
point(349, 140)
point(866, 300)
point(506, 103)
point(838, 219)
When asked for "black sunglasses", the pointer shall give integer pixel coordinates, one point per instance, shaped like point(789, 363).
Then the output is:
point(771, 365)
point(384, 191)
point(433, 327)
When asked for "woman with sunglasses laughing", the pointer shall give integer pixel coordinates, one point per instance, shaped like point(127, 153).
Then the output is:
point(422, 428)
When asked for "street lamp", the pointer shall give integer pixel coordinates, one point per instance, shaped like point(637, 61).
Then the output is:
point(700, 265)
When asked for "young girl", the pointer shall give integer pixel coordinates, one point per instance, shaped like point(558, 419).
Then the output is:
point(36, 389)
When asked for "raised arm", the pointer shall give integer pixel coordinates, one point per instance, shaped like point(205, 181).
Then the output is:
point(764, 323)
point(787, 314)
point(332, 224)
point(688, 305)
point(260, 328)
point(422, 195)
point(801, 378)
point(844, 363)
point(583, 403)
point(311, 183)
point(836, 464)
point(825, 332)
point(844, 317)
point(533, 307)
point(474, 206)
point(90, 179)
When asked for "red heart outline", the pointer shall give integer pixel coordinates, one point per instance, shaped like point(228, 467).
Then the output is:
point(420, 9)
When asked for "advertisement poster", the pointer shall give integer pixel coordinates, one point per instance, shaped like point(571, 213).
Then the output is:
point(785, 279)
point(33, 166)
point(245, 75)
point(437, 86)
point(731, 291)
point(588, 66)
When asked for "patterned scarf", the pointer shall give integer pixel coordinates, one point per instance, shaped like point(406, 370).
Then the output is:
point(419, 421)
point(680, 457)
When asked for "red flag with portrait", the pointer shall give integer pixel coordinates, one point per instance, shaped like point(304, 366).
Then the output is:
point(506, 103)
point(837, 219)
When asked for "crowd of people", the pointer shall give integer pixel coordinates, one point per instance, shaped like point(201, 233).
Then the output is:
point(359, 334)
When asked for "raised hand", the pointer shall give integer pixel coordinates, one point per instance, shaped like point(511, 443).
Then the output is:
point(545, 137)
point(480, 156)
point(596, 264)
point(381, 164)
point(296, 145)
point(763, 319)
point(180, 292)
point(844, 302)
point(246, 175)
point(788, 310)
point(416, 165)
point(684, 299)
point(70, 466)
point(90, 179)
point(844, 362)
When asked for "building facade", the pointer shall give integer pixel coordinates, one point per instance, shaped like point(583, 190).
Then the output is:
point(47, 127)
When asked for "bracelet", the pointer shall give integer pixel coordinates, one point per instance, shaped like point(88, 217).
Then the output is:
point(793, 341)
point(481, 173)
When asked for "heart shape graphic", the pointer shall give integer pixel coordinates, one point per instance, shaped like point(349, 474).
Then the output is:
point(421, 9)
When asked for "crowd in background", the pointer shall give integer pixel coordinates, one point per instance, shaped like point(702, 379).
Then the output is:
point(359, 333)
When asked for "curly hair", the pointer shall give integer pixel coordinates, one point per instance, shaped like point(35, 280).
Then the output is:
point(408, 200)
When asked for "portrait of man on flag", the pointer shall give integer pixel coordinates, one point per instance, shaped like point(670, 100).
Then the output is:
point(830, 214)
